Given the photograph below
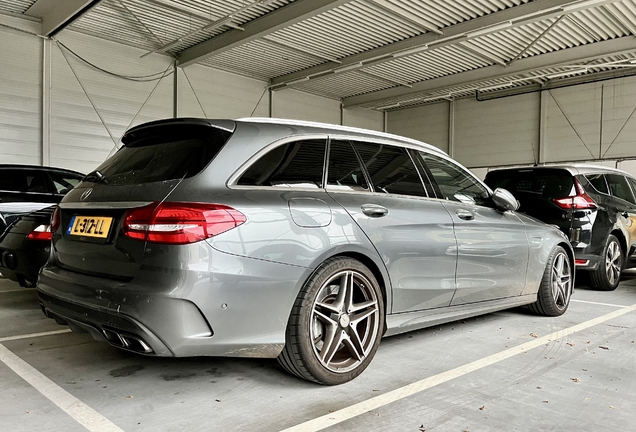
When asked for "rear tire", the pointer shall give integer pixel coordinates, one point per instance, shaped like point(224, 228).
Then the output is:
point(336, 323)
point(608, 274)
point(556, 286)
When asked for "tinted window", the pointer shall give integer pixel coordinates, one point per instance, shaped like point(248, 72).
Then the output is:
point(64, 182)
point(390, 169)
point(345, 171)
point(164, 153)
point(544, 182)
point(598, 181)
point(295, 164)
point(619, 187)
point(22, 180)
point(454, 183)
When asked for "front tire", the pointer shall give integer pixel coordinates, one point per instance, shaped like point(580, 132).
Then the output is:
point(556, 286)
point(608, 274)
point(336, 323)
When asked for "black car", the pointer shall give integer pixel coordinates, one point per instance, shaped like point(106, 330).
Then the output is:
point(25, 188)
point(27, 198)
point(594, 206)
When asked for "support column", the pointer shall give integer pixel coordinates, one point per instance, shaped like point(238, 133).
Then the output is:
point(341, 114)
point(175, 90)
point(543, 125)
point(271, 103)
point(385, 118)
point(45, 156)
point(451, 128)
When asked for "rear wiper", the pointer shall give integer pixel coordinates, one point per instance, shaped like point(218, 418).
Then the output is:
point(95, 176)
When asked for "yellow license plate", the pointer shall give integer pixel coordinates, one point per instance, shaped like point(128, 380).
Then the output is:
point(90, 226)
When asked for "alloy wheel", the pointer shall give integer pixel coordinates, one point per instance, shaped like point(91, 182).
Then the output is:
point(345, 321)
point(613, 263)
point(561, 280)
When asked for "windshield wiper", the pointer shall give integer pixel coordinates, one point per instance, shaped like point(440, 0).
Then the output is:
point(96, 176)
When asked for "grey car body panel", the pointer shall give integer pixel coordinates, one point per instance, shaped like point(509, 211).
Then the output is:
point(415, 242)
point(492, 252)
point(232, 294)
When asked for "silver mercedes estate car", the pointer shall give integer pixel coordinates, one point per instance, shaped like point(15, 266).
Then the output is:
point(300, 241)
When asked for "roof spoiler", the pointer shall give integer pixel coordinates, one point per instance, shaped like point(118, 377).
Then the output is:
point(226, 125)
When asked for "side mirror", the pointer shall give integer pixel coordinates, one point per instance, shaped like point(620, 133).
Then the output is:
point(504, 200)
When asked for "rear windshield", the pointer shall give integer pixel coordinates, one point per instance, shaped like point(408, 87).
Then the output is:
point(164, 153)
point(547, 183)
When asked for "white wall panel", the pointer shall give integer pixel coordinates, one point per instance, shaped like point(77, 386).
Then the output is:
point(221, 94)
point(364, 118)
point(79, 139)
point(293, 104)
point(428, 123)
point(497, 132)
point(20, 88)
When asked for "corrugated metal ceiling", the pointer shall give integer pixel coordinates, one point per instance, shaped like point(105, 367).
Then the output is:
point(318, 53)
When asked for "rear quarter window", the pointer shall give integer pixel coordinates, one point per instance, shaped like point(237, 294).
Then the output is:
point(296, 164)
point(546, 183)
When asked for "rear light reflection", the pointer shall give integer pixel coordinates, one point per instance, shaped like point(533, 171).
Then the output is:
point(180, 223)
point(581, 201)
point(55, 220)
point(42, 232)
point(581, 262)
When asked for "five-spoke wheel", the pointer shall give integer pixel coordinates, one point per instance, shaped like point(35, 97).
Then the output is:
point(555, 290)
point(336, 323)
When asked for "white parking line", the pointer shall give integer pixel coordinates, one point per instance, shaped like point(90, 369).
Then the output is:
point(32, 335)
point(598, 303)
point(14, 290)
point(426, 383)
point(81, 413)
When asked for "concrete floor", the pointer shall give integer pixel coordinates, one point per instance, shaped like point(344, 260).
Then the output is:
point(520, 378)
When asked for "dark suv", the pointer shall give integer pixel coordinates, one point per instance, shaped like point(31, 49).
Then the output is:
point(594, 206)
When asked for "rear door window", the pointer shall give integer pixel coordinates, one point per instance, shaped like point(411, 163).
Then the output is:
point(391, 169)
point(23, 180)
point(345, 172)
point(63, 182)
point(162, 153)
point(619, 187)
point(295, 164)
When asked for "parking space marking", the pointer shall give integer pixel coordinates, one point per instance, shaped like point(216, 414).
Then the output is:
point(32, 335)
point(80, 412)
point(426, 383)
point(13, 290)
point(598, 303)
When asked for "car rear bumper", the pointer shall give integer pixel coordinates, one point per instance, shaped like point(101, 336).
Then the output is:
point(586, 261)
point(238, 307)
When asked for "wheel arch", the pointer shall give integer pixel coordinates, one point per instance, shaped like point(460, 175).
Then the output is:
point(621, 239)
point(570, 252)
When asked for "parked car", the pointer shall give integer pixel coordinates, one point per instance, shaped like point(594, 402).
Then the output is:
point(25, 188)
point(594, 206)
point(301, 241)
point(25, 247)
point(26, 195)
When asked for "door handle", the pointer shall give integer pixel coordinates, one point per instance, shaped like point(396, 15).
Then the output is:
point(465, 214)
point(374, 210)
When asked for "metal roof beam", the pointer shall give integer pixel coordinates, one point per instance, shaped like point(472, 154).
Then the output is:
point(553, 59)
point(280, 18)
point(57, 14)
point(516, 16)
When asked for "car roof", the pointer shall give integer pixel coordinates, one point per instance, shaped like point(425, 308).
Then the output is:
point(327, 127)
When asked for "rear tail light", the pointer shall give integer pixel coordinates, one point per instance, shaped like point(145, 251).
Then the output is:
point(42, 232)
point(55, 220)
point(180, 223)
point(580, 201)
